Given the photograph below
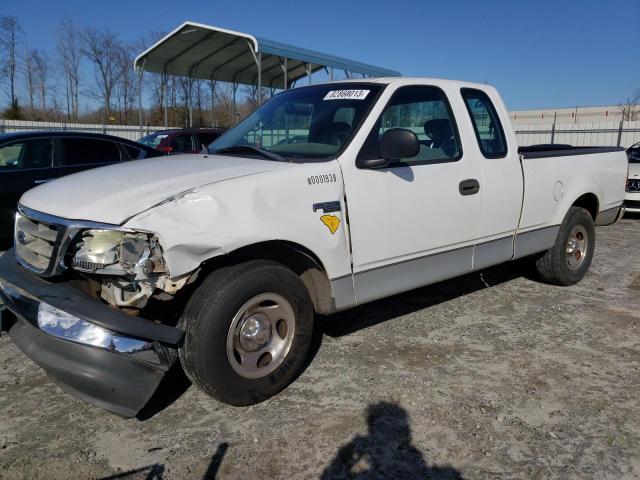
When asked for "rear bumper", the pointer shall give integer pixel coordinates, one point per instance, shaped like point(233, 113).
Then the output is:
point(98, 354)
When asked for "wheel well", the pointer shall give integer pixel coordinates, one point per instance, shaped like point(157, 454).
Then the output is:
point(299, 259)
point(589, 202)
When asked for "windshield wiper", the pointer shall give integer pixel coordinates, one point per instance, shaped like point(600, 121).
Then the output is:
point(248, 148)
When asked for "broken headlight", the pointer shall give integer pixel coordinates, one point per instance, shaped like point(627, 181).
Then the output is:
point(114, 252)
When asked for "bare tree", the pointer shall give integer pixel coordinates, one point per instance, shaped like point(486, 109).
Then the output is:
point(184, 100)
point(102, 48)
point(69, 47)
point(41, 78)
point(172, 98)
point(127, 84)
point(29, 79)
point(631, 108)
point(223, 108)
point(10, 34)
point(199, 101)
point(158, 82)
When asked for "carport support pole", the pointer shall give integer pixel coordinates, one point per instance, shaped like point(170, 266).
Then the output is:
point(165, 87)
point(284, 68)
point(258, 59)
point(141, 70)
point(190, 103)
point(259, 78)
point(235, 112)
point(308, 67)
point(331, 74)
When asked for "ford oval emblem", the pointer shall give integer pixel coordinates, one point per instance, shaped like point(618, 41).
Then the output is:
point(22, 238)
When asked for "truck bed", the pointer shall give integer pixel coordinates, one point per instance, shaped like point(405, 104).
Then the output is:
point(561, 150)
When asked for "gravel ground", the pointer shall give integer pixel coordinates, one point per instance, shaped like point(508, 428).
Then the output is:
point(489, 376)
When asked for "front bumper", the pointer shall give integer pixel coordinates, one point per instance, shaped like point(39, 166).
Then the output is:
point(95, 352)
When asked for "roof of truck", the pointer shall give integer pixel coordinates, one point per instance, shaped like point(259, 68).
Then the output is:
point(410, 80)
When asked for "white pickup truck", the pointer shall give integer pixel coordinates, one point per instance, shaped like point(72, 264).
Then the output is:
point(327, 197)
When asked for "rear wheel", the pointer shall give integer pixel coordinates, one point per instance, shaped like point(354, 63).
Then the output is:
point(248, 329)
point(567, 262)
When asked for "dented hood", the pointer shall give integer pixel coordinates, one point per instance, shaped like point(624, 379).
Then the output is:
point(115, 193)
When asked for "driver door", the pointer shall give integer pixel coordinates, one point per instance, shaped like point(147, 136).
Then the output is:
point(412, 223)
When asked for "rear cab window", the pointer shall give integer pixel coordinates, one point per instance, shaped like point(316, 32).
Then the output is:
point(486, 123)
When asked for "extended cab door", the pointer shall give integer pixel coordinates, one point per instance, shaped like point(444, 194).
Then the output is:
point(414, 222)
point(502, 179)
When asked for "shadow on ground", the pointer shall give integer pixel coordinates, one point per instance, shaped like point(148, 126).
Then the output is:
point(385, 452)
point(155, 471)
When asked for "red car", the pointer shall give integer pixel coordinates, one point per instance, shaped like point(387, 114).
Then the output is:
point(186, 140)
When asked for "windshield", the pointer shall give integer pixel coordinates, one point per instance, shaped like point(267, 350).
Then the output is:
point(153, 140)
point(309, 122)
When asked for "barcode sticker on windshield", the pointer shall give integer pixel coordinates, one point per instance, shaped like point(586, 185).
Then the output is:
point(346, 95)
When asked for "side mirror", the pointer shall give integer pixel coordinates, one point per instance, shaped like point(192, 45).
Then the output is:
point(399, 143)
point(395, 144)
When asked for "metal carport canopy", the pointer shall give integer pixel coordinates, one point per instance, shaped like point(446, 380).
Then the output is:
point(206, 52)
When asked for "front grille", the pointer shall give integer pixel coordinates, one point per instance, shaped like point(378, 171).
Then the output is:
point(35, 243)
point(633, 185)
point(632, 203)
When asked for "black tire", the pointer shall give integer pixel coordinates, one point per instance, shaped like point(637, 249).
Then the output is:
point(553, 267)
point(208, 317)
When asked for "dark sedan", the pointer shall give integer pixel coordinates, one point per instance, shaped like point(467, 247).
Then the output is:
point(31, 158)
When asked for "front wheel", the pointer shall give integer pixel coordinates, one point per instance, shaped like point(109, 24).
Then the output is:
point(248, 328)
point(567, 262)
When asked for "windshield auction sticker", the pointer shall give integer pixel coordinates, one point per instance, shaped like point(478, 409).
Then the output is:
point(346, 95)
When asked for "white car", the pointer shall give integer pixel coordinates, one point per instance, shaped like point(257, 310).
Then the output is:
point(632, 197)
point(327, 197)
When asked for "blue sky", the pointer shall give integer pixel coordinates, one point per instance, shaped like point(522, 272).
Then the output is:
point(540, 54)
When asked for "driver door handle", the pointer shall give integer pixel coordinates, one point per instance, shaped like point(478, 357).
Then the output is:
point(469, 187)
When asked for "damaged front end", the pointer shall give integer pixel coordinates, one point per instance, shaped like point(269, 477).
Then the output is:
point(50, 285)
point(129, 266)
